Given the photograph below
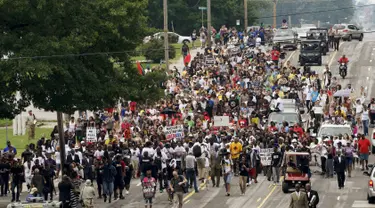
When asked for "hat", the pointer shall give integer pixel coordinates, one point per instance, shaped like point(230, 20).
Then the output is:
point(294, 141)
point(88, 183)
point(34, 190)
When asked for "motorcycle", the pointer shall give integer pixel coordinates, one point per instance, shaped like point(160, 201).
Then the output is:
point(343, 70)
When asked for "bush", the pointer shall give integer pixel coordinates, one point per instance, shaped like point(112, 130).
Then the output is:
point(153, 50)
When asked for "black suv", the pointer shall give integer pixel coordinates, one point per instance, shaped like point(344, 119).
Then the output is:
point(319, 34)
point(311, 52)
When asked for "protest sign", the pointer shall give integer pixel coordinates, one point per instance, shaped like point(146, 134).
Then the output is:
point(266, 156)
point(91, 134)
point(174, 132)
point(221, 120)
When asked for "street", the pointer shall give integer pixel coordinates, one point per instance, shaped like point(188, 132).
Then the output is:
point(264, 194)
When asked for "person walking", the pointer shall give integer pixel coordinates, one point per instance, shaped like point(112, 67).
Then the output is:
point(312, 196)
point(227, 165)
point(215, 167)
point(193, 38)
point(149, 188)
point(235, 151)
point(177, 186)
point(88, 194)
point(340, 167)
point(190, 171)
point(298, 199)
point(336, 40)
point(365, 120)
point(244, 173)
point(185, 50)
point(349, 156)
point(64, 191)
point(364, 147)
point(109, 173)
point(30, 123)
point(276, 160)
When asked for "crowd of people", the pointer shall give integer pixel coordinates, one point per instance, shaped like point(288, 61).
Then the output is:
point(246, 81)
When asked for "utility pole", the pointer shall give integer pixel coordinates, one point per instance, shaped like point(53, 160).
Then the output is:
point(274, 13)
point(166, 45)
point(245, 14)
point(290, 21)
point(61, 141)
point(209, 22)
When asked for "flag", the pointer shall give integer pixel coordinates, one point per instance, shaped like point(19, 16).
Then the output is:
point(187, 59)
point(139, 67)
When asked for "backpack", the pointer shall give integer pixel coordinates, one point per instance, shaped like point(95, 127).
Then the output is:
point(158, 162)
point(148, 187)
point(197, 151)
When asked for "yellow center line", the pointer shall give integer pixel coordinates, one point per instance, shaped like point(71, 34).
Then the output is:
point(291, 55)
point(187, 201)
point(201, 187)
point(268, 196)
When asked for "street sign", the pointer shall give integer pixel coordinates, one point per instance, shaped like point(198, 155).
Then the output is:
point(237, 22)
point(202, 8)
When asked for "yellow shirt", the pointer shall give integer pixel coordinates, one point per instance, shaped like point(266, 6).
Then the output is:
point(255, 120)
point(110, 141)
point(235, 149)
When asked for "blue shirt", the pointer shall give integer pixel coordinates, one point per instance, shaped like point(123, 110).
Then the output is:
point(6, 149)
point(314, 96)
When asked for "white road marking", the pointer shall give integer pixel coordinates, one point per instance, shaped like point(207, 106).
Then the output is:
point(362, 204)
point(338, 198)
point(372, 54)
point(139, 184)
point(370, 61)
point(369, 68)
point(367, 78)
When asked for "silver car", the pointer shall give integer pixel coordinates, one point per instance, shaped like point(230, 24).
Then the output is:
point(287, 38)
point(371, 186)
point(348, 31)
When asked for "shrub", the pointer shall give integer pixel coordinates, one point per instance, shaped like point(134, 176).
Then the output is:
point(153, 50)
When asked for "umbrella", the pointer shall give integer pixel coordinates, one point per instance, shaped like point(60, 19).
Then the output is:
point(342, 93)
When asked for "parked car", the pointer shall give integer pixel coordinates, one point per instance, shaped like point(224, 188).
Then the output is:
point(371, 180)
point(173, 37)
point(348, 31)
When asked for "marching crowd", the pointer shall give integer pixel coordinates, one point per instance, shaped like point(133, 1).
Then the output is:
point(245, 82)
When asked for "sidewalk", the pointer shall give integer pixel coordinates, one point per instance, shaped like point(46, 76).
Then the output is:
point(179, 64)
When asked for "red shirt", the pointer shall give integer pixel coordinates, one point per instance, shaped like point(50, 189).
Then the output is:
point(133, 105)
point(298, 130)
point(275, 55)
point(344, 60)
point(243, 123)
point(363, 146)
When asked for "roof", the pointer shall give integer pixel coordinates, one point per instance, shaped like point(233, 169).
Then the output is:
point(311, 40)
point(327, 124)
point(297, 153)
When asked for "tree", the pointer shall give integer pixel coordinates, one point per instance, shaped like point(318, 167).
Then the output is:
point(90, 31)
point(223, 12)
point(64, 54)
point(153, 50)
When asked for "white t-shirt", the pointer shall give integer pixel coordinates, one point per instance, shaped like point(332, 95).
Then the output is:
point(307, 92)
point(98, 153)
point(358, 108)
point(57, 157)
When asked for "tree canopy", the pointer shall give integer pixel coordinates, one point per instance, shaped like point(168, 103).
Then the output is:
point(186, 16)
point(65, 53)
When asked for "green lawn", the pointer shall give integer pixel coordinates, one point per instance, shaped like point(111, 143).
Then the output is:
point(20, 141)
point(5, 122)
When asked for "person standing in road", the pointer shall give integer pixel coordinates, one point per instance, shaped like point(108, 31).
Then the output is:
point(190, 171)
point(336, 40)
point(312, 196)
point(109, 173)
point(177, 186)
point(298, 199)
point(235, 150)
point(185, 50)
point(30, 123)
point(149, 188)
point(88, 194)
point(227, 164)
point(364, 146)
point(365, 120)
point(244, 173)
point(340, 167)
point(215, 167)
point(276, 160)
point(331, 34)
point(193, 38)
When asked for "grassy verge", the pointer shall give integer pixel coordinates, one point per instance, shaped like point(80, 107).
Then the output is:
point(5, 122)
point(21, 141)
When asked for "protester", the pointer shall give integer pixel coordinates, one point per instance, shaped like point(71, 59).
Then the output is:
point(312, 196)
point(88, 194)
point(177, 185)
point(298, 199)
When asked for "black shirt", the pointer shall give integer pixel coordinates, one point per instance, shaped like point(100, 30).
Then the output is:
point(244, 171)
point(276, 159)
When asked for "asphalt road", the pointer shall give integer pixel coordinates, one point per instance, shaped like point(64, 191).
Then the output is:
point(264, 194)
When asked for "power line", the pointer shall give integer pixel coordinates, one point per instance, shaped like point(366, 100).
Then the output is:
point(319, 11)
